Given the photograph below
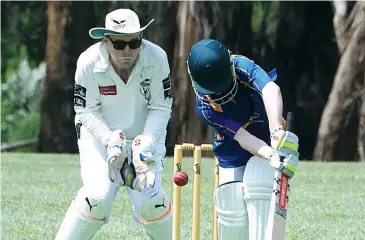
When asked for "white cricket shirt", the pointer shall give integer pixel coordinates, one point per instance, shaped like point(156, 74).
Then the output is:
point(103, 102)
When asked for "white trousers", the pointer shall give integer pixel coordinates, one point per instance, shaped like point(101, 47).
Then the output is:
point(227, 175)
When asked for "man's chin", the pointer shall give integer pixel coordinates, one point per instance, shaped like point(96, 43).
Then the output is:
point(125, 62)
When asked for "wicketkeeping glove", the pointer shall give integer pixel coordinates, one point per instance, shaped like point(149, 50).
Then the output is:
point(142, 163)
point(119, 171)
point(122, 176)
point(116, 149)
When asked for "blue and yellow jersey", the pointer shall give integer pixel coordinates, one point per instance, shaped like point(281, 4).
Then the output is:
point(244, 109)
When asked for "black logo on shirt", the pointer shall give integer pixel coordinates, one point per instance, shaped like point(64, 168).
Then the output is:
point(146, 89)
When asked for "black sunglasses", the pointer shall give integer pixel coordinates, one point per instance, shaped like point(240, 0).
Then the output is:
point(120, 44)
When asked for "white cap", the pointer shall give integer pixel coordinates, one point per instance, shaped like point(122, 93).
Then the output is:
point(120, 21)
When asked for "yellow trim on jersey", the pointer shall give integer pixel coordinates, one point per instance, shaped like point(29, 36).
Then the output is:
point(215, 106)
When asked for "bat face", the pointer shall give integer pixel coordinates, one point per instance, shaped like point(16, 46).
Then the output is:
point(282, 197)
point(278, 208)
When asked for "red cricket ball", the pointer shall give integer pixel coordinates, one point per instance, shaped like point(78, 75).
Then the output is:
point(181, 178)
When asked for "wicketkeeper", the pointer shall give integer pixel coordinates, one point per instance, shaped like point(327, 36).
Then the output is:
point(242, 103)
point(123, 101)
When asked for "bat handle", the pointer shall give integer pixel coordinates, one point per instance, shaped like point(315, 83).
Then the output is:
point(290, 122)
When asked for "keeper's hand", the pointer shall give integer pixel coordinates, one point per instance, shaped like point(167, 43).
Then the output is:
point(116, 149)
point(119, 171)
point(142, 163)
point(123, 176)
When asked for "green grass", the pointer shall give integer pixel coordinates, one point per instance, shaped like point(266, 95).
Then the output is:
point(327, 200)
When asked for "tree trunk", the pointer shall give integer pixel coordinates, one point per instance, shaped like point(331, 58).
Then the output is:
point(344, 92)
point(361, 133)
point(306, 61)
point(81, 19)
point(51, 136)
point(180, 128)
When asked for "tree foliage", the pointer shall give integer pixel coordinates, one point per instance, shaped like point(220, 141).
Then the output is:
point(22, 53)
point(23, 34)
point(297, 38)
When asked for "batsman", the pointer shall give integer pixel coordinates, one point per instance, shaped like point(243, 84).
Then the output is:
point(244, 105)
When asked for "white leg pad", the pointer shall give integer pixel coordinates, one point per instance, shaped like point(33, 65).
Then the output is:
point(85, 216)
point(156, 216)
point(258, 181)
point(231, 210)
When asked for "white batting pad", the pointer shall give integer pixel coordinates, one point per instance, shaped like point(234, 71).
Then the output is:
point(257, 184)
point(231, 210)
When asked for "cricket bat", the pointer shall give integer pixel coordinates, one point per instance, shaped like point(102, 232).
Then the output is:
point(276, 224)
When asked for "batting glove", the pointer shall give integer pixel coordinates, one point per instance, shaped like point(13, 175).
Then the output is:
point(284, 142)
point(287, 165)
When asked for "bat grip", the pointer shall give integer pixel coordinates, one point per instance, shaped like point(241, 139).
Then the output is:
point(290, 122)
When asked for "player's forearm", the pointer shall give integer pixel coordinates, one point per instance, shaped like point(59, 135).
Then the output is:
point(273, 101)
point(253, 144)
point(157, 121)
point(95, 124)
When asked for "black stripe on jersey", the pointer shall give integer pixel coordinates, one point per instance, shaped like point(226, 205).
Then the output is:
point(79, 101)
point(167, 90)
point(79, 91)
